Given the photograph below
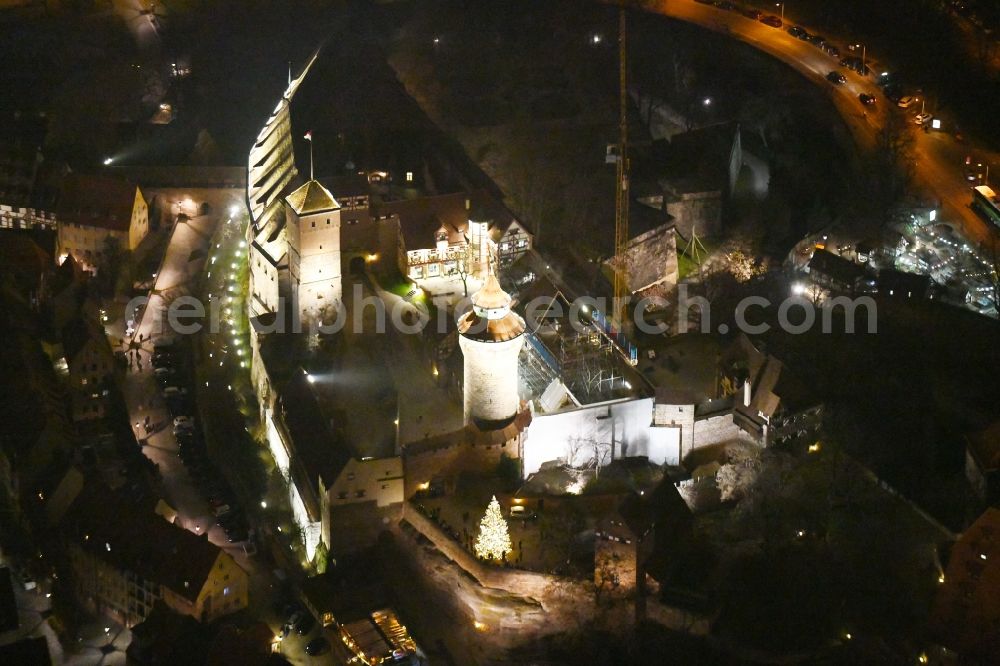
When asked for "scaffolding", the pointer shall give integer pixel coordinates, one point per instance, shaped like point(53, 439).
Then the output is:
point(589, 366)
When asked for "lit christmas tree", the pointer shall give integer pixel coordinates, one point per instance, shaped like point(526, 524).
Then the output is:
point(493, 540)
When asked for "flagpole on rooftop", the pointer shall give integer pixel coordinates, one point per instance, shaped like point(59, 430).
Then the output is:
point(309, 137)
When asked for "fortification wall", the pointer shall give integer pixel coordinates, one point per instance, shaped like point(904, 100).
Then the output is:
point(548, 590)
point(446, 460)
point(716, 429)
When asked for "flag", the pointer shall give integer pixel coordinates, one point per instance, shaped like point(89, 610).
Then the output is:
point(308, 136)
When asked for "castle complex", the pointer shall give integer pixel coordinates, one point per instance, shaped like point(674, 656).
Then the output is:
point(540, 385)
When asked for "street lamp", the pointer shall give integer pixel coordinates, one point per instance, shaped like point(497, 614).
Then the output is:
point(707, 101)
point(782, 5)
point(107, 161)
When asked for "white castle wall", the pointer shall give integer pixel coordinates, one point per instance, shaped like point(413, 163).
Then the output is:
point(573, 435)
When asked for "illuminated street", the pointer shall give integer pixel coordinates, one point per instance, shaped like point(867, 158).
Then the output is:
point(939, 155)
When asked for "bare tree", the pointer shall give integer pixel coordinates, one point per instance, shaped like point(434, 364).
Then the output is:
point(574, 447)
point(602, 455)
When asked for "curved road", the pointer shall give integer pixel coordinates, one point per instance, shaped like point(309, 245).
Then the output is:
point(939, 156)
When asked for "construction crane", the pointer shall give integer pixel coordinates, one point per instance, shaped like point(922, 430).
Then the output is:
point(621, 181)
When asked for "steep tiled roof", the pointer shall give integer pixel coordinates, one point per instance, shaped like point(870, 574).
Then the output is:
point(835, 267)
point(135, 539)
point(76, 335)
point(966, 612)
point(662, 506)
point(420, 219)
point(96, 201)
point(321, 454)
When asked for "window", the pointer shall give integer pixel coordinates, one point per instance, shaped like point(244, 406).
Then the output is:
point(225, 591)
point(342, 494)
point(359, 493)
point(409, 176)
point(350, 476)
point(314, 224)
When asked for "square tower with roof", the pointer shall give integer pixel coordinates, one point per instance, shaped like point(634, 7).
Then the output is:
point(313, 223)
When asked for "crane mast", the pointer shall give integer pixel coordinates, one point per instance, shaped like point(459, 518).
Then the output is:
point(621, 181)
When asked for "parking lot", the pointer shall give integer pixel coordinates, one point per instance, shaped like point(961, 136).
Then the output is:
point(941, 252)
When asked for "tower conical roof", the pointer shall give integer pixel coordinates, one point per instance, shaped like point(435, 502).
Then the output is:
point(491, 319)
point(491, 296)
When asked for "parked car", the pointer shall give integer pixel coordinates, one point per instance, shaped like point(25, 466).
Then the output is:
point(856, 64)
point(923, 118)
point(832, 50)
point(866, 99)
point(906, 102)
point(520, 511)
point(836, 78)
point(754, 14)
point(164, 361)
point(317, 646)
point(772, 21)
point(727, 6)
point(183, 421)
point(165, 345)
point(972, 175)
point(797, 32)
point(174, 392)
point(295, 616)
point(816, 40)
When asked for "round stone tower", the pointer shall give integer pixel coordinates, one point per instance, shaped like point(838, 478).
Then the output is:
point(491, 337)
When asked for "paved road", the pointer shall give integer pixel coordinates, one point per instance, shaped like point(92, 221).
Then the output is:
point(143, 394)
point(938, 154)
point(183, 260)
